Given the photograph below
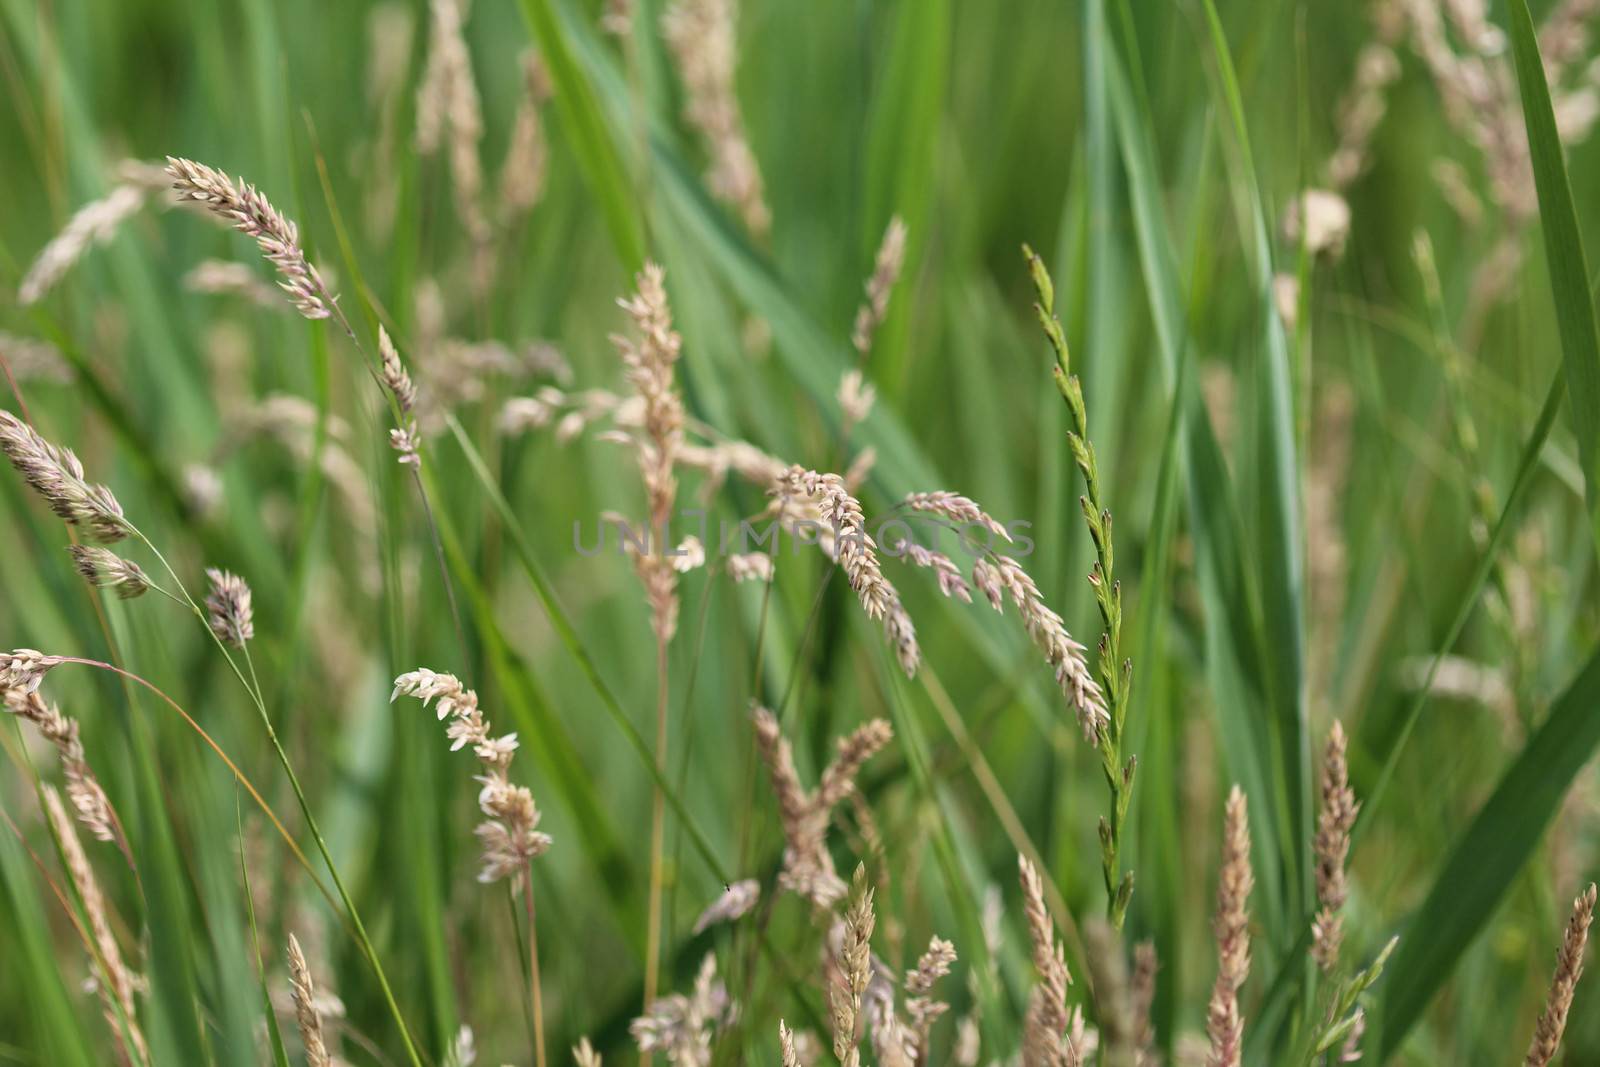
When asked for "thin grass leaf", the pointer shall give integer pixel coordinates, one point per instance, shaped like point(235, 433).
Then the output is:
point(280, 1057)
point(585, 127)
point(1563, 247)
point(1489, 856)
point(1278, 538)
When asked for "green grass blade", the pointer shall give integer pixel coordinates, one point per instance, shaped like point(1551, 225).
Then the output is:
point(585, 127)
point(1563, 246)
point(1373, 797)
point(901, 152)
point(1232, 639)
point(568, 635)
point(280, 1058)
point(1488, 857)
point(1279, 538)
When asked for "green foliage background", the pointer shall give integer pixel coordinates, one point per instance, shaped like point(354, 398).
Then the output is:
point(1293, 509)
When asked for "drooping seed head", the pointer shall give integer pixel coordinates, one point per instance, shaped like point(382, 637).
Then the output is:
point(24, 668)
point(55, 474)
point(105, 569)
point(249, 212)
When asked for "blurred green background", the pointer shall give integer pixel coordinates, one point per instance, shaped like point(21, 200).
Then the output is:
point(1305, 565)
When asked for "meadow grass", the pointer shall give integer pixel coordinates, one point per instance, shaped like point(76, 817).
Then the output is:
point(1235, 703)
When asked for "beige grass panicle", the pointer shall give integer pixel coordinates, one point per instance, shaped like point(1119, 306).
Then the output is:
point(96, 223)
point(219, 277)
point(30, 359)
point(56, 475)
point(790, 1054)
point(1332, 847)
point(855, 397)
point(104, 569)
point(249, 212)
point(509, 835)
point(1569, 968)
point(228, 608)
point(1048, 1034)
point(1231, 927)
point(403, 438)
point(684, 1026)
point(1141, 1001)
point(923, 1008)
point(22, 669)
point(807, 865)
point(584, 1055)
point(736, 900)
point(885, 272)
point(956, 509)
point(650, 366)
point(118, 982)
point(303, 990)
point(854, 970)
point(522, 175)
point(749, 566)
point(855, 551)
point(89, 800)
point(703, 38)
point(999, 574)
point(448, 104)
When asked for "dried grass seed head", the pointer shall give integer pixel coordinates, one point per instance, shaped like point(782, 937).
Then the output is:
point(510, 835)
point(24, 668)
point(735, 901)
point(1231, 928)
point(1335, 819)
point(306, 1016)
point(117, 991)
point(885, 272)
point(56, 475)
point(96, 223)
point(104, 569)
point(228, 609)
point(246, 210)
point(1569, 968)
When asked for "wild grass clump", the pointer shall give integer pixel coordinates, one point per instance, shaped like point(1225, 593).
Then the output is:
point(1326, 595)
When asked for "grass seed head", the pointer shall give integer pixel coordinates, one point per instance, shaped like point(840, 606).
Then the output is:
point(228, 609)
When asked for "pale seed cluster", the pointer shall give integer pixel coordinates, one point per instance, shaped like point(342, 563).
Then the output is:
point(1332, 847)
point(447, 103)
point(1231, 927)
point(807, 865)
point(96, 223)
point(118, 985)
point(57, 476)
point(735, 901)
point(702, 37)
point(403, 438)
point(1049, 1038)
point(856, 553)
point(922, 1007)
point(510, 835)
point(998, 575)
point(1569, 968)
point(104, 569)
point(854, 971)
point(247, 211)
point(885, 272)
point(649, 364)
point(682, 1026)
point(228, 609)
point(83, 788)
point(309, 1020)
